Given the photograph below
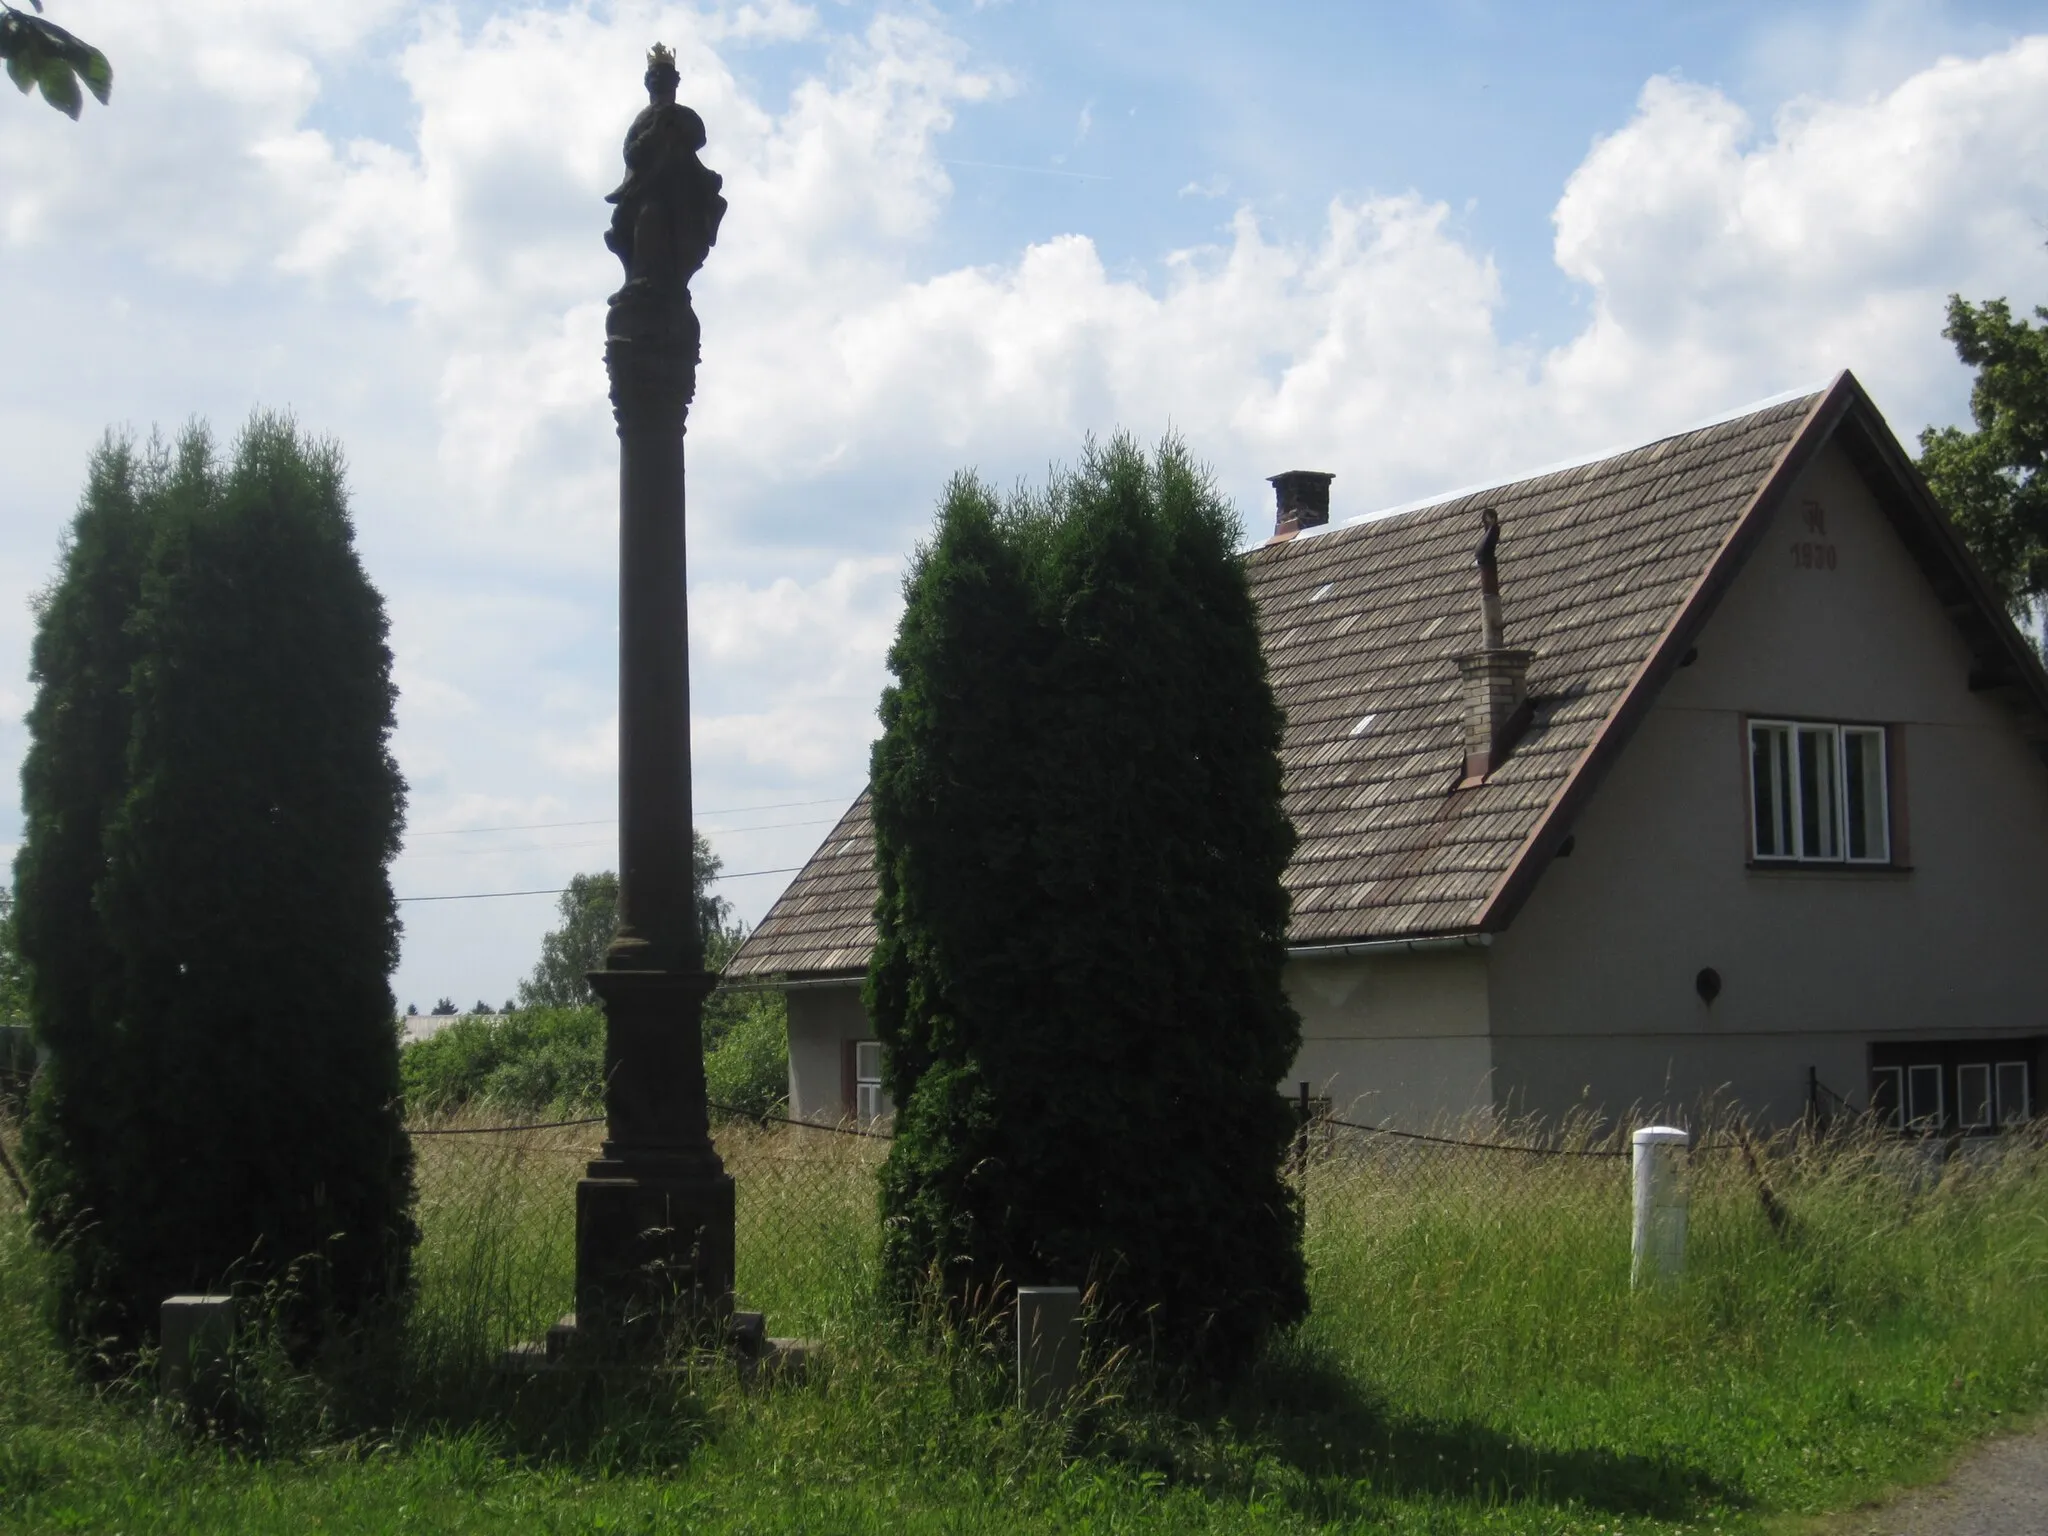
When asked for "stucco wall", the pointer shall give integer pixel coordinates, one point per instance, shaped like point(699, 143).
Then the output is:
point(1395, 1040)
point(821, 1020)
point(1815, 965)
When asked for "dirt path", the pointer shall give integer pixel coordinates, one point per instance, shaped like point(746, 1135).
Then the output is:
point(1998, 1489)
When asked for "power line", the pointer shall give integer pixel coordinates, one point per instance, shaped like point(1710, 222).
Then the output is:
point(605, 842)
point(741, 874)
point(531, 826)
point(606, 821)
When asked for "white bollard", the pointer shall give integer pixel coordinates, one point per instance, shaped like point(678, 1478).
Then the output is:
point(1048, 1343)
point(1658, 1248)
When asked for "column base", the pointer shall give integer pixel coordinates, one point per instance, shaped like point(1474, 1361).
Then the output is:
point(654, 1251)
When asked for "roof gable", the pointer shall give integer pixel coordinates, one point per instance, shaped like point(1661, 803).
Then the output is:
point(1607, 571)
point(1366, 623)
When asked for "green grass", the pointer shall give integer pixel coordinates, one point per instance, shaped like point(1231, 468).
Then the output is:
point(1475, 1361)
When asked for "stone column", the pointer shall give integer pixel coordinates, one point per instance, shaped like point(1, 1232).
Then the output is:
point(654, 1212)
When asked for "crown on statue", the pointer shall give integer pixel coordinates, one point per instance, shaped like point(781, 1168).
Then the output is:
point(660, 60)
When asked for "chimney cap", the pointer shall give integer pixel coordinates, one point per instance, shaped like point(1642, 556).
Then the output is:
point(1302, 477)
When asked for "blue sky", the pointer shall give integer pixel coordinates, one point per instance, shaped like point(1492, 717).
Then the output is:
point(1416, 246)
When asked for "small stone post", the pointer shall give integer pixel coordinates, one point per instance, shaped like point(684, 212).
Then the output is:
point(1658, 1246)
point(654, 1212)
point(1048, 1344)
point(193, 1334)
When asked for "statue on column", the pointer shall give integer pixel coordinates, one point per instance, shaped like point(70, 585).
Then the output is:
point(665, 215)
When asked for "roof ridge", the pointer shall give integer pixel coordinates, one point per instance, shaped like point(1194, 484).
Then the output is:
point(1577, 461)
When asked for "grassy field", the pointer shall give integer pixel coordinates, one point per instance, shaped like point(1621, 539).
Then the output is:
point(1475, 1361)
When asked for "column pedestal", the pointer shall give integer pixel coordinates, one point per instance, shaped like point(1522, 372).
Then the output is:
point(654, 1210)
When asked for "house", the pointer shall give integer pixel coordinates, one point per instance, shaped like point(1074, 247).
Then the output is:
point(1708, 770)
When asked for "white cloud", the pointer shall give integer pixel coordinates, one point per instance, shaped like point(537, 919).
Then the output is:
point(1721, 259)
point(432, 286)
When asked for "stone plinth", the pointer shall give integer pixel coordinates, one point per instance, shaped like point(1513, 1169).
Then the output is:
point(654, 1211)
point(193, 1335)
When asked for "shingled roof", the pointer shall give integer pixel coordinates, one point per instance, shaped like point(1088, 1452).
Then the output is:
point(1606, 569)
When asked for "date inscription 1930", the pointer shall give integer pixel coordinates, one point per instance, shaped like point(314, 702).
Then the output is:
point(1814, 553)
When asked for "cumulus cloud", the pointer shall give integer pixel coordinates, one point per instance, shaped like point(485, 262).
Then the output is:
point(433, 275)
point(1719, 255)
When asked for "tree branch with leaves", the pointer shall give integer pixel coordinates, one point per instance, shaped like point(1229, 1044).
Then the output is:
point(43, 56)
point(1990, 481)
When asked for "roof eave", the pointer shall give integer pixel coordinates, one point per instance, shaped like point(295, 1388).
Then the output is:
point(791, 981)
point(2003, 658)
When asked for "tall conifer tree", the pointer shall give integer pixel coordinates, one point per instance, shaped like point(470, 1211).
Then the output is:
point(73, 779)
point(250, 1064)
point(1082, 927)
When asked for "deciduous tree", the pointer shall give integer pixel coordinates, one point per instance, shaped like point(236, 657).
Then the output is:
point(40, 55)
point(1990, 481)
point(589, 910)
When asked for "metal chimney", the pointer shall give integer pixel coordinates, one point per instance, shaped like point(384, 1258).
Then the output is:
point(1496, 676)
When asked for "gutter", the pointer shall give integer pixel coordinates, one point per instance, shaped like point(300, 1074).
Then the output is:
point(785, 984)
point(1442, 944)
point(1439, 944)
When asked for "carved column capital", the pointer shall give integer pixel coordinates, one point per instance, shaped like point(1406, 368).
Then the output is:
point(653, 381)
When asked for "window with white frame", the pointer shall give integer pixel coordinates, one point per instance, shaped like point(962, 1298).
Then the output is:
point(1971, 1087)
point(1819, 792)
point(2014, 1100)
point(1973, 1096)
point(870, 1099)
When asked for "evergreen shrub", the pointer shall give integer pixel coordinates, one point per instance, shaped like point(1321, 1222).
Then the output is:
point(1079, 846)
point(73, 779)
point(205, 907)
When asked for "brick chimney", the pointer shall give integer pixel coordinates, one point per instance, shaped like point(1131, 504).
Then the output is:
point(1496, 677)
point(1301, 499)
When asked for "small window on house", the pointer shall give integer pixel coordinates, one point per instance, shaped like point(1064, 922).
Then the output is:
point(870, 1100)
point(1818, 792)
point(2014, 1104)
point(1958, 1087)
point(1973, 1095)
point(1923, 1097)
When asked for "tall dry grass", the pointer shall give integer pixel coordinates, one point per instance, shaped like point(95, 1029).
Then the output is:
point(1474, 1357)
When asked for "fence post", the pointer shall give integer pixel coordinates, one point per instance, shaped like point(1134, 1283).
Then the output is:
point(1301, 1134)
point(1657, 1248)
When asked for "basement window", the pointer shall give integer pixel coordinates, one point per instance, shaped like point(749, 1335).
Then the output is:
point(1819, 793)
point(1966, 1087)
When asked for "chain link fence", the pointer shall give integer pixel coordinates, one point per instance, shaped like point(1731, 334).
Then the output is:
point(1379, 1203)
point(498, 1218)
